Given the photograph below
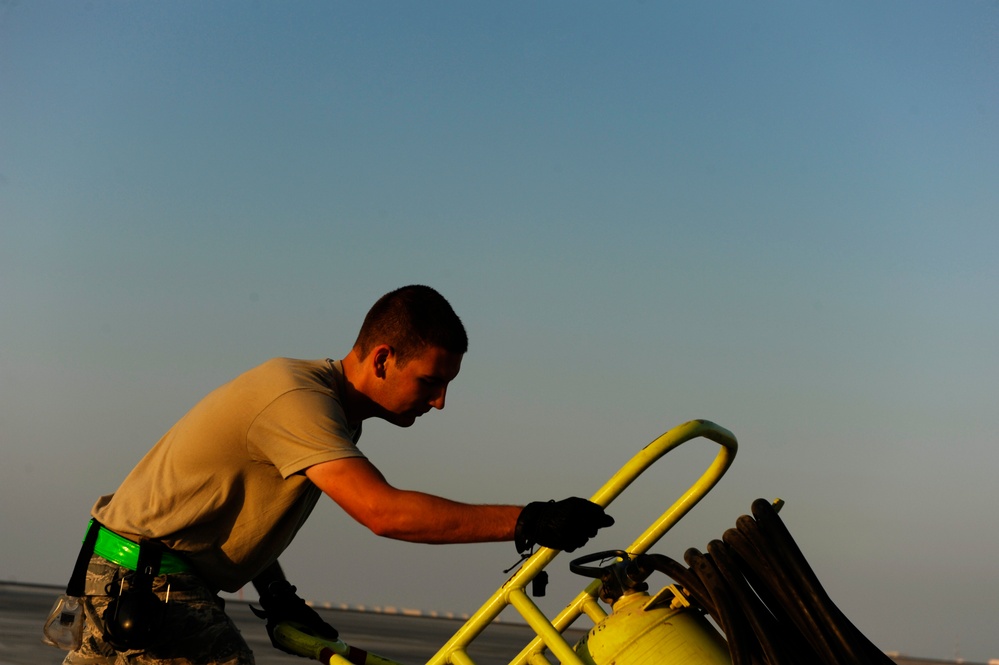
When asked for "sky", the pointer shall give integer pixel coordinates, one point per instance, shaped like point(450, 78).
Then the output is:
point(777, 216)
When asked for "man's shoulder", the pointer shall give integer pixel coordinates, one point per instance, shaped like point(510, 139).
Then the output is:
point(295, 367)
point(286, 374)
point(286, 362)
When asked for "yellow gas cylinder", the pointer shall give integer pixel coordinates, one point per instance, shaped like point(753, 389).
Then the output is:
point(663, 630)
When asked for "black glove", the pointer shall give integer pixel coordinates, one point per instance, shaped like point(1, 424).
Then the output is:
point(281, 603)
point(563, 525)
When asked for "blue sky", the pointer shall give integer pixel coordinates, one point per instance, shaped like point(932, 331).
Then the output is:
point(777, 216)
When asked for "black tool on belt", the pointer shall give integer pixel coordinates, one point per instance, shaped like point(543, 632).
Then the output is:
point(135, 613)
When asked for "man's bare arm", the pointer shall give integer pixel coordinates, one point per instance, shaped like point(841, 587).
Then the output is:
point(362, 491)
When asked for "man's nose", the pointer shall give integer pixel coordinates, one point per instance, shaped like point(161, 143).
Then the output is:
point(438, 401)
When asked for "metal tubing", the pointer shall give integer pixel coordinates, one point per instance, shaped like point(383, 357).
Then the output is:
point(539, 658)
point(655, 450)
point(514, 587)
point(461, 657)
point(592, 609)
point(544, 628)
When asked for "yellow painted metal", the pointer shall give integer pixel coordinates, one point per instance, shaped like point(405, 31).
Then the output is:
point(304, 642)
point(640, 633)
point(549, 632)
point(461, 657)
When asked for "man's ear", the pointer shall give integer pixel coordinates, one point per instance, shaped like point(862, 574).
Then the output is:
point(380, 356)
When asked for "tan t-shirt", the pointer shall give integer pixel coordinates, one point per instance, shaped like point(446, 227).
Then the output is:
point(225, 486)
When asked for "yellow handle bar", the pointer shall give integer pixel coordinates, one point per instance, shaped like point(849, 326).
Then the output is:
point(549, 632)
point(302, 641)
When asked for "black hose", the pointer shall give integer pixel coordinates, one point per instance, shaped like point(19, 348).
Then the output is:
point(757, 586)
point(851, 639)
point(761, 621)
point(685, 578)
point(732, 623)
point(784, 632)
point(779, 577)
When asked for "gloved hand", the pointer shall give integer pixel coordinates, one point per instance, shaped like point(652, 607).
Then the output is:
point(562, 525)
point(281, 603)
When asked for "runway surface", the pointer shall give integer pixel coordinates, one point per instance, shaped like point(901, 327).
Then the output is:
point(408, 639)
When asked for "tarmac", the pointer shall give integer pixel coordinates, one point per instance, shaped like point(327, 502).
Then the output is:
point(405, 638)
point(402, 637)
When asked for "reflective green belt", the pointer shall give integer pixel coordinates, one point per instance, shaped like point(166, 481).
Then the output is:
point(125, 553)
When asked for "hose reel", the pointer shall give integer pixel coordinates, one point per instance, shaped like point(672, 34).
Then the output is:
point(754, 583)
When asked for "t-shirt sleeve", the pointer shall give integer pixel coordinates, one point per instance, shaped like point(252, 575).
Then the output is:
point(299, 429)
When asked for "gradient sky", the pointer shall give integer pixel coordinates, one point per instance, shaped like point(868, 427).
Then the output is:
point(778, 216)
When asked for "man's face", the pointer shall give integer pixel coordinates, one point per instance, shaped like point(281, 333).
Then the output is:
point(418, 386)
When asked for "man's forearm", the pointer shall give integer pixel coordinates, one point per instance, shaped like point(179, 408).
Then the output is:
point(361, 490)
point(426, 518)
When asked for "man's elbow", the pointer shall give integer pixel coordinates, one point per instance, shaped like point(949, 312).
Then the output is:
point(390, 515)
point(384, 524)
point(382, 528)
point(399, 532)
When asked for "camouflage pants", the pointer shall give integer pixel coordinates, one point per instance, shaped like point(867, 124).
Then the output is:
point(195, 628)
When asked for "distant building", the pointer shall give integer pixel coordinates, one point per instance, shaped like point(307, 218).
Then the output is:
point(912, 660)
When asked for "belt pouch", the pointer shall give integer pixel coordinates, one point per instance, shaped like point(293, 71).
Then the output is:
point(64, 626)
point(133, 618)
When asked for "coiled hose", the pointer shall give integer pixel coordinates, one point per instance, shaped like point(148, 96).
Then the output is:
point(758, 588)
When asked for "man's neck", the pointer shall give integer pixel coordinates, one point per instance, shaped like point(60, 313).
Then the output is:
point(357, 406)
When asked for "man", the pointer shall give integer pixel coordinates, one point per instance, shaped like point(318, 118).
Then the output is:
point(223, 493)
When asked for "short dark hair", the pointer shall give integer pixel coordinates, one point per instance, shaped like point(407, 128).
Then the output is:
point(410, 319)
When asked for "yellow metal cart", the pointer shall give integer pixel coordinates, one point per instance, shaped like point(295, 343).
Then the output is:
point(659, 629)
